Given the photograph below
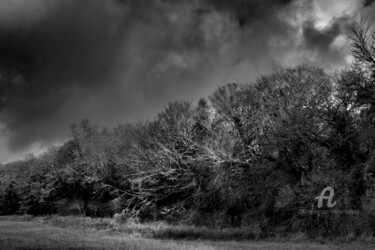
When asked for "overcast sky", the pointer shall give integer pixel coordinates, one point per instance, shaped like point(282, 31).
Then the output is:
point(123, 60)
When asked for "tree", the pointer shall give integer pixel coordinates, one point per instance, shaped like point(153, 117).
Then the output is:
point(9, 200)
point(363, 45)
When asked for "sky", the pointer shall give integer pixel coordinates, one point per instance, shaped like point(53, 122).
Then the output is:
point(112, 61)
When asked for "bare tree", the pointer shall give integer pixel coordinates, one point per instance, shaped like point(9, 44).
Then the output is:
point(363, 44)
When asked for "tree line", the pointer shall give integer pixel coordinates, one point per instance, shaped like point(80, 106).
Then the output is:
point(253, 154)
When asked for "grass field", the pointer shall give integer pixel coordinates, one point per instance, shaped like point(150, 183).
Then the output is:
point(18, 234)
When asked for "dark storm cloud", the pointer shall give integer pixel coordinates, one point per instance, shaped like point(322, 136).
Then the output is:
point(64, 60)
point(321, 39)
point(74, 44)
point(368, 2)
point(247, 11)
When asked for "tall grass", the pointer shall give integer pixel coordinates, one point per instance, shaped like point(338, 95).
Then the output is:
point(157, 230)
point(163, 230)
point(71, 232)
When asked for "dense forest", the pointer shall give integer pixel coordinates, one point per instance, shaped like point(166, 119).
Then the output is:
point(248, 155)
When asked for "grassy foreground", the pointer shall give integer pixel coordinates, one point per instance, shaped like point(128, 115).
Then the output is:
point(52, 233)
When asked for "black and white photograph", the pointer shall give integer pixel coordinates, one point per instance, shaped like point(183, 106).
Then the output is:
point(187, 124)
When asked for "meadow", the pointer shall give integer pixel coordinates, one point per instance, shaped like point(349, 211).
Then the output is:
point(56, 232)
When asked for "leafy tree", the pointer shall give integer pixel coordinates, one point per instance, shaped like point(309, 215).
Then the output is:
point(9, 200)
